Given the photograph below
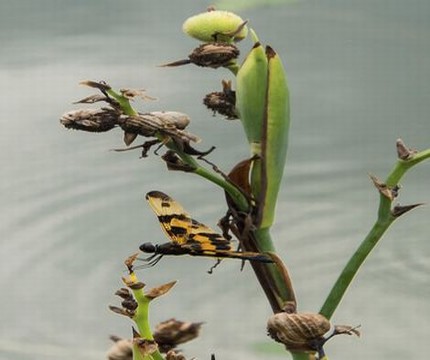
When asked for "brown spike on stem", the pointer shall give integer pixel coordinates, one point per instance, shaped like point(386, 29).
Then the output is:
point(399, 210)
point(177, 63)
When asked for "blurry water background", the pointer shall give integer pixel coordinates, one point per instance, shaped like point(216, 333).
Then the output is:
point(71, 210)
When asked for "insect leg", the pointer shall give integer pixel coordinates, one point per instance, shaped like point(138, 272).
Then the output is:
point(211, 270)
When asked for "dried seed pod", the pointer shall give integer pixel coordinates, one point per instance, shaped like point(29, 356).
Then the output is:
point(213, 55)
point(222, 102)
point(91, 120)
point(172, 355)
point(299, 331)
point(169, 123)
point(170, 333)
point(120, 350)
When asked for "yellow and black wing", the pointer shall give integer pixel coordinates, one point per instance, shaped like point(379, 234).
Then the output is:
point(181, 228)
point(173, 218)
point(193, 237)
point(204, 238)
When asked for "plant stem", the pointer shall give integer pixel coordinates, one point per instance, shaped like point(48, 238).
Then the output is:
point(301, 356)
point(141, 319)
point(240, 200)
point(273, 278)
point(384, 220)
point(232, 190)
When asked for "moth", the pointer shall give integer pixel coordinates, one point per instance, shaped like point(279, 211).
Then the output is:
point(188, 236)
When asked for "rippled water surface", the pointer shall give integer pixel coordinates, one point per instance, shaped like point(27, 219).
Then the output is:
point(71, 210)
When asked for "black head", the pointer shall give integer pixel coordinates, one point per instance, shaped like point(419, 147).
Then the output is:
point(148, 247)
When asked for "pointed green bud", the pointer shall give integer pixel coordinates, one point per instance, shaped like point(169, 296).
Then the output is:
point(251, 94)
point(262, 100)
point(275, 136)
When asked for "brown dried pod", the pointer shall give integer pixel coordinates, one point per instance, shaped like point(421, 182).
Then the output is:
point(121, 311)
point(222, 102)
point(91, 120)
point(129, 304)
point(144, 346)
point(213, 55)
point(120, 350)
point(175, 163)
point(169, 123)
point(299, 331)
point(170, 333)
point(172, 355)
point(124, 293)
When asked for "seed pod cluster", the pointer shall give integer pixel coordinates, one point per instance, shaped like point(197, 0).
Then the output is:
point(91, 120)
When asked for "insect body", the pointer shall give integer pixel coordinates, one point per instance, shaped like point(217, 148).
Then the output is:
point(188, 236)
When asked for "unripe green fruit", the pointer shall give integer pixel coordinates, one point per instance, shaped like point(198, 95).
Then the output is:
point(215, 25)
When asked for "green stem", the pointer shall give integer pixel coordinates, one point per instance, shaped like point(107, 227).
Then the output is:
point(385, 219)
point(301, 356)
point(240, 200)
point(123, 102)
point(352, 267)
point(231, 189)
point(273, 278)
point(141, 318)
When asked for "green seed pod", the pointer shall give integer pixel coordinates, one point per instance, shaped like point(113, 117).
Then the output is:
point(216, 25)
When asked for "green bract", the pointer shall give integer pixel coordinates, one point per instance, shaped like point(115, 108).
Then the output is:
point(262, 101)
point(215, 25)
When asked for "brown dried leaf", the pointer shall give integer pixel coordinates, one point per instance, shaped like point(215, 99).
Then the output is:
point(389, 192)
point(404, 152)
point(160, 290)
point(101, 85)
point(133, 93)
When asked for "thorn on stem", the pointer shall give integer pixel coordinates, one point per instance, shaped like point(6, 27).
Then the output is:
point(399, 210)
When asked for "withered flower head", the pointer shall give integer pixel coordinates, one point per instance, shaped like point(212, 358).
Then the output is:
point(91, 120)
point(222, 102)
point(170, 333)
point(213, 55)
point(149, 123)
point(120, 350)
point(167, 123)
point(172, 355)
